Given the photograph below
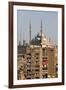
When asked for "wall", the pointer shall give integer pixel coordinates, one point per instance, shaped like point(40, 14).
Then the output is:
point(4, 44)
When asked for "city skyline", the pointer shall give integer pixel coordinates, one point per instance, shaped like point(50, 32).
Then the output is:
point(37, 59)
point(27, 17)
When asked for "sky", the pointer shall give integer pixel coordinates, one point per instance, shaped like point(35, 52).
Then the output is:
point(49, 24)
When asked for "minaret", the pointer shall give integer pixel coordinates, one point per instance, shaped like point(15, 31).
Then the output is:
point(41, 51)
point(20, 38)
point(30, 33)
point(41, 32)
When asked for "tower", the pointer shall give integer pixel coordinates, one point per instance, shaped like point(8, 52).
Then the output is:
point(20, 38)
point(30, 33)
point(41, 32)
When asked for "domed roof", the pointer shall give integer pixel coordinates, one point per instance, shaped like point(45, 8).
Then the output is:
point(42, 40)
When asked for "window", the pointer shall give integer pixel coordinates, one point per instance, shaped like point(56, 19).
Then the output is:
point(36, 69)
point(29, 74)
point(36, 57)
point(37, 53)
point(29, 54)
point(29, 78)
point(28, 57)
point(28, 70)
point(37, 61)
point(23, 56)
point(44, 68)
point(44, 52)
point(45, 76)
point(37, 66)
point(56, 68)
point(37, 77)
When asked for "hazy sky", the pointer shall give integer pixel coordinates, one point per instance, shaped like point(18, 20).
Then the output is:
point(49, 24)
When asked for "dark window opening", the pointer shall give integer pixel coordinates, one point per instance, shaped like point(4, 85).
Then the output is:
point(28, 70)
point(36, 69)
point(37, 53)
point(37, 77)
point(23, 56)
point(28, 78)
point(28, 57)
point(45, 76)
point(36, 57)
point(44, 68)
